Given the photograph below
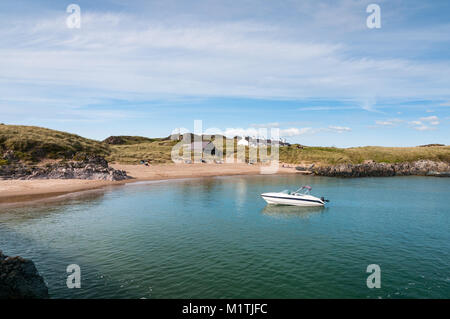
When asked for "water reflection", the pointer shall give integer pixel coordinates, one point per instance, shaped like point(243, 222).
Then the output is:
point(241, 192)
point(38, 209)
point(284, 211)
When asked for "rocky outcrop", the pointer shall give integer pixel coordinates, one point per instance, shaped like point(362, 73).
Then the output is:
point(431, 145)
point(371, 168)
point(20, 279)
point(91, 167)
point(304, 168)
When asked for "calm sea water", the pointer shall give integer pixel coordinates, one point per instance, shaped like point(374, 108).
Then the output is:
point(216, 238)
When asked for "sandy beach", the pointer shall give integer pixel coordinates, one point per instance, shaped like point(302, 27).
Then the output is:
point(23, 190)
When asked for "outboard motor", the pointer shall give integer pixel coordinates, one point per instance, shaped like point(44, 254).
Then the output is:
point(323, 199)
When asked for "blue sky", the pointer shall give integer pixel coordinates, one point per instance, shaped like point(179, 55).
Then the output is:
point(311, 68)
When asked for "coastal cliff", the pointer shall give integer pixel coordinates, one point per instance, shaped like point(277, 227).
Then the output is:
point(373, 169)
point(19, 279)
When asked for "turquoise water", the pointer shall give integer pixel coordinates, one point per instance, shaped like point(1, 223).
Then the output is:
point(216, 238)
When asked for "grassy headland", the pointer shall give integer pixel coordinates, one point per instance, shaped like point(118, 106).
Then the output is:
point(32, 144)
point(357, 155)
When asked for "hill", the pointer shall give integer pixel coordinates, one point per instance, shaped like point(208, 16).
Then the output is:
point(357, 155)
point(129, 140)
point(157, 152)
point(32, 143)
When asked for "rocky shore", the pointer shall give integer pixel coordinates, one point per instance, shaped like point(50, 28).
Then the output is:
point(373, 169)
point(90, 167)
point(20, 279)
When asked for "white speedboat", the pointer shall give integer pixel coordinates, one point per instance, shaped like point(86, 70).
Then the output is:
point(300, 197)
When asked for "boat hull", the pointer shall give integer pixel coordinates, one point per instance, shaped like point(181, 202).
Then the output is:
point(292, 200)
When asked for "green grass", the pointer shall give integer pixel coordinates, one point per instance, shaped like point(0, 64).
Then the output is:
point(130, 140)
point(157, 152)
point(31, 143)
point(357, 155)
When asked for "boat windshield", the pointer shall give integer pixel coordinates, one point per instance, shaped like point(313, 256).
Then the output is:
point(303, 190)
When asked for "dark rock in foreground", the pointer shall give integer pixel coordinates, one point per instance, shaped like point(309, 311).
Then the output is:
point(20, 279)
point(91, 167)
point(371, 168)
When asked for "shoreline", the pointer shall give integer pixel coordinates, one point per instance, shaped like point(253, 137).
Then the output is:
point(22, 191)
point(16, 191)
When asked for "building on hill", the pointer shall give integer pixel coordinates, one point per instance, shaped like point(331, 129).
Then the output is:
point(204, 147)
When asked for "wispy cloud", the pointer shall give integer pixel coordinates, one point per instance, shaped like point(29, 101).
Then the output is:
point(432, 120)
point(122, 54)
point(339, 129)
point(290, 132)
point(390, 122)
point(428, 123)
point(327, 108)
point(424, 128)
point(266, 125)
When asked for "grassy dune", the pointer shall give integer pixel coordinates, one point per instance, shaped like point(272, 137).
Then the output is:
point(357, 155)
point(129, 140)
point(157, 152)
point(32, 144)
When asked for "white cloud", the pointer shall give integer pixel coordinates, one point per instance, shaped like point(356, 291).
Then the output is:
point(125, 56)
point(389, 122)
point(433, 120)
point(339, 129)
point(327, 108)
point(424, 128)
point(295, 131)
point(261, 132)
point(180, 130)
point(232, 132)
point(423, 123)
point(267, 125)
point(384, 123)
